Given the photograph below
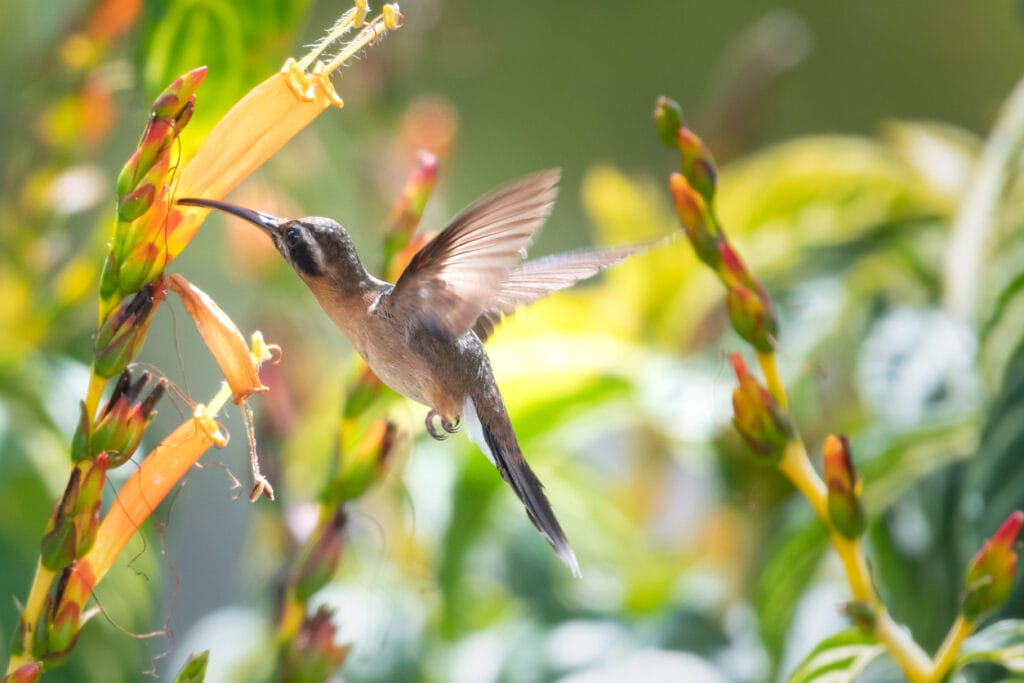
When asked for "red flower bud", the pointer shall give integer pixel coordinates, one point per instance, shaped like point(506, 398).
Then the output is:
point(991, 572)
point(122, 421)
point(758, 417)
point(136, 202)
point(750, 309)
point(697, 164)
point(321, 557)
point(73, 524)
point(120, 338)
point(313, 655)
point(29, 673)
point(696, 220)
point(174, 99)
point(844, 501)
point(751, 317)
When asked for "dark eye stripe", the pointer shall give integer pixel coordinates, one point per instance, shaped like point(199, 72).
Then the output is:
point(302, 257)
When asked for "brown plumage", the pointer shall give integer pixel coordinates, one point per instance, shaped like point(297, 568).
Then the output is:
point(423, 336)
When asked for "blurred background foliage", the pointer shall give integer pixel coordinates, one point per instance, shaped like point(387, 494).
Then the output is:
point(857, 181)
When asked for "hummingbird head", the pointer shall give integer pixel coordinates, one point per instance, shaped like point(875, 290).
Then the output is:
point(316, 247)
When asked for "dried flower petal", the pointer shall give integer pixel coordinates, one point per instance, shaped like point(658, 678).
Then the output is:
point(222, 337)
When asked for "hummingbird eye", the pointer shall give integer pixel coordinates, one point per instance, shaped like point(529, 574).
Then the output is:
point(293, 237)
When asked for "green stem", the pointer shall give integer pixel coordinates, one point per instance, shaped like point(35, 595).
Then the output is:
point(947, 653)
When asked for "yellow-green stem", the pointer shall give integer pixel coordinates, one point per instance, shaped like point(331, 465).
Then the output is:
point(32, 613)
point(94, 394)
point(770, 370)
point(950, 648)
point(856, 566)
point(798, 469)
point(290, 621)
point(907, 653)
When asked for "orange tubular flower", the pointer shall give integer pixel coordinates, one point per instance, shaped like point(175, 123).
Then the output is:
point(149, 485)
point(268, 116)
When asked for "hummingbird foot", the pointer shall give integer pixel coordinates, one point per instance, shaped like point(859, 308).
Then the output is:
point(447, 426)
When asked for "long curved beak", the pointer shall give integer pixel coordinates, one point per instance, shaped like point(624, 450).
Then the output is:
point(270, 224)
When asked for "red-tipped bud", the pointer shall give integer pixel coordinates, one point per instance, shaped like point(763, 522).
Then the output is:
point(60, 626)
point(171, 103)
point(363, 462)
point(751, 317)
point(136, 202)
point(406, 213)
point(63, 630)
point(750, 309)
point(313, 655)
point(155, 142)
point(75, 520)
point(696, 220)
point(122, 421)
point(321, 557)
point(120, 338)
point(991, 572)
point(845, 509)
point(194, 669)
point(758, 417)
point(28, 673)
point(697, 164)
point(668, 119)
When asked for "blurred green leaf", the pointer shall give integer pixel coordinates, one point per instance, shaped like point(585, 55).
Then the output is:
point(838, 659)
point(241, 42)
point(194, 669)
point(1000, 643)
point(794, 558)
point(984, 261)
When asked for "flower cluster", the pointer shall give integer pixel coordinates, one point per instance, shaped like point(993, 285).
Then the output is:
point(693, 192)
point(81, 543)
point(761, 417)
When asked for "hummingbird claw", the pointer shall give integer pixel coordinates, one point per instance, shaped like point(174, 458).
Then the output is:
point(446, 425)
point(449, 426)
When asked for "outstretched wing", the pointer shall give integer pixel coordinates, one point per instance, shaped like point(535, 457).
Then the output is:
point(536, 279)
point(449, 282)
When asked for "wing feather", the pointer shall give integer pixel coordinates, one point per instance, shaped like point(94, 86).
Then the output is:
point(449, 282)
point(536, 279)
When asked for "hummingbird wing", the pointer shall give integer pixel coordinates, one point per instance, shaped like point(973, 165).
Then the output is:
point(450, 281)
point(536, 279)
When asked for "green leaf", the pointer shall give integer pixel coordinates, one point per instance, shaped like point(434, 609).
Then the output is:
point(194, 670)
point(794, 560)
point(1001, 643)
point(838, 659)
point(983, 270)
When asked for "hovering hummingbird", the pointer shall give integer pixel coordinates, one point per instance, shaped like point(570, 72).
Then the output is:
point(424, 335)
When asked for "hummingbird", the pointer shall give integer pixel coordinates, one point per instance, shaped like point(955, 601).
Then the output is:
point(424, 335)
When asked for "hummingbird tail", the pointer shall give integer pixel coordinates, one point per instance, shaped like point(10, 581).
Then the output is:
point(492, 433)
